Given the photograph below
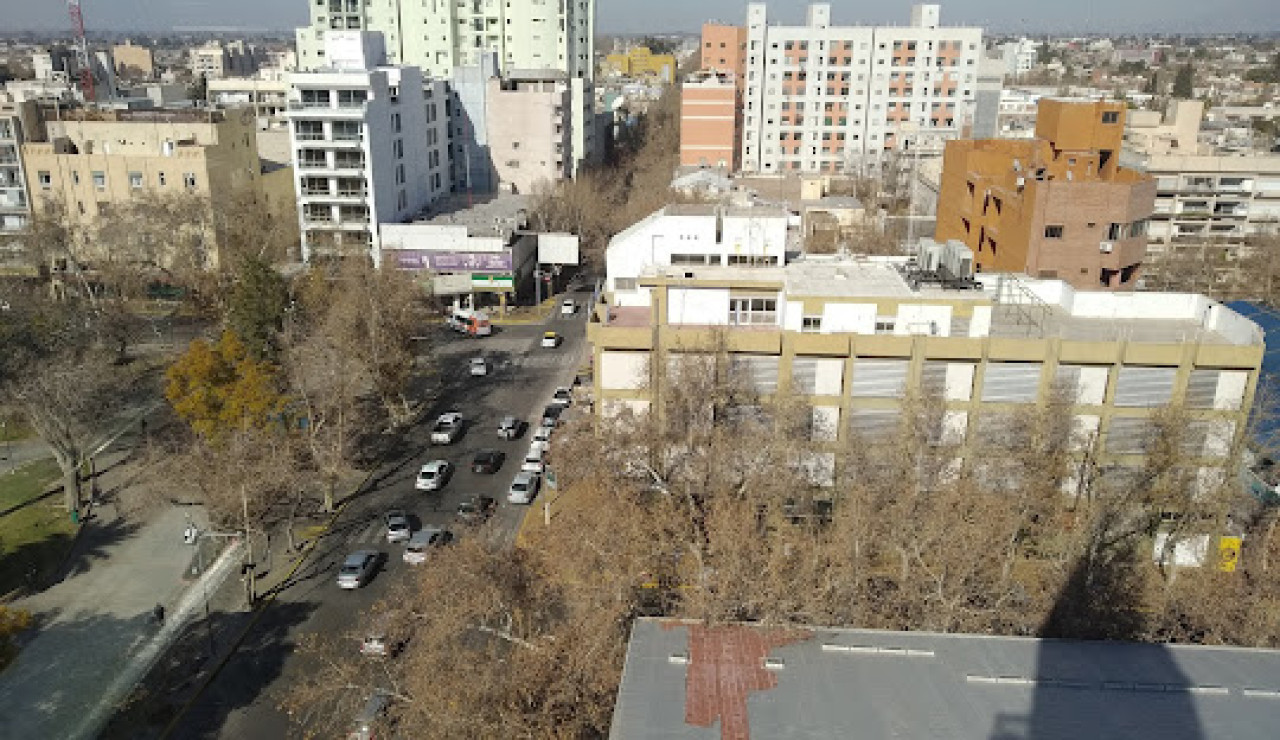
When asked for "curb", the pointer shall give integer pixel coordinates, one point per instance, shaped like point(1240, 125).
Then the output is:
point(258, 611)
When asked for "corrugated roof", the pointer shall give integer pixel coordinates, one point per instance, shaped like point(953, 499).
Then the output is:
point(854, 684)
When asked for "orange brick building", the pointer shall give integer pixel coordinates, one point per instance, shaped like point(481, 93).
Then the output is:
point(710, 121)
point(724, 49)
point(1056, 206)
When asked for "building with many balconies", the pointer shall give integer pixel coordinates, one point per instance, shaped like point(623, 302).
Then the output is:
point(370, 145)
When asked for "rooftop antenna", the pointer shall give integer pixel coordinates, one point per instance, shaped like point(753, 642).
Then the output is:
point(82, 51)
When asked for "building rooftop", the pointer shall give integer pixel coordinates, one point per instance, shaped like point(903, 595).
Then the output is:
point(688, 680)
point(499, 214)
point(1022, 307)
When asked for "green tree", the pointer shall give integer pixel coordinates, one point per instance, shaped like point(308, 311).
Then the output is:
point(1044, 55)
point(217, 388)
point(257, 305)
point(1184, 82)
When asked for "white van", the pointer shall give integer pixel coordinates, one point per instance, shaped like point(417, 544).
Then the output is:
point(533, 459)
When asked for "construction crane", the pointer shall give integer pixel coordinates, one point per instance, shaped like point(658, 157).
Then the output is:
point(82, 51)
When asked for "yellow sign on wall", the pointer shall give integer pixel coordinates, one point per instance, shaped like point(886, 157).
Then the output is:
point(1228, 553)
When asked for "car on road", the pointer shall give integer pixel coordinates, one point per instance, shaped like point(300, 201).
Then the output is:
point(534, 459)
point(433, 475)
point(523, 488)
point(568, 307)
point(550, 340)
point(358, 568)
point(447, 429)
point(398, 527)
point(551, 415)
point(543, 434)
point(479, 366)
point(420, 544)
point(562, 397)
point(487, 461)
point(476, 509)
point(510, 427)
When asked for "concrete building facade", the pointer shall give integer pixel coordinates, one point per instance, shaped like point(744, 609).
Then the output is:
point(826, 98)
point(710, 121)
point(1212, 204)
point(134, 62)
point(724, 50)
point(852, 338)
point(370, 146)
point(529, 136)
point(93, 161)
point(1057, 206)
point(439, 35)
point(641, 62)
point(18, 122)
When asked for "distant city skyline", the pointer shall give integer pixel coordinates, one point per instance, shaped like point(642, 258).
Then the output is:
point(658, 16)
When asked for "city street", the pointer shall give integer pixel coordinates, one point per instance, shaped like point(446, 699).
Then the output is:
point(242, 702)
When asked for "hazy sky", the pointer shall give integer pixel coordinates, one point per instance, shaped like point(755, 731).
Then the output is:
point(630, 16)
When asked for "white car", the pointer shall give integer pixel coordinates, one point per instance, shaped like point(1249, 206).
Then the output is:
point(523, 488)
point(562, 397)
point(479, 366)
point(447, 429)
point(550, 340)
point(543, 434)
point(534, 458)
point(433, 475)
point(568, 307)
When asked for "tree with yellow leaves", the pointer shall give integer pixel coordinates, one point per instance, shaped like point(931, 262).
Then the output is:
point(220, 387)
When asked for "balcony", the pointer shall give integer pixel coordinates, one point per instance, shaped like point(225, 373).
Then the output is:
point(313, 164)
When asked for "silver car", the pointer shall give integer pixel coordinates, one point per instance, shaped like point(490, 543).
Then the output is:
point(398, 527)
point(358, 568)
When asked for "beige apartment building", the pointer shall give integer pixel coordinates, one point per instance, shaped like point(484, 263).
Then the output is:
point(529, 132)
point(91, 161)
point(852, 338)
point(133, 62)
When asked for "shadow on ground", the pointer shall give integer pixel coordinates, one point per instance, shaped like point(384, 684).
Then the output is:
point(255, 664)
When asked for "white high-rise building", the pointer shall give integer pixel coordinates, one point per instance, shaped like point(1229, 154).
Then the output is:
point(370, 146)
point(824, 98)
point(439, 35)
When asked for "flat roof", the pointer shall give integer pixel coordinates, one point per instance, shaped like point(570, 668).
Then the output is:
point(497, 214)
point(701, 682)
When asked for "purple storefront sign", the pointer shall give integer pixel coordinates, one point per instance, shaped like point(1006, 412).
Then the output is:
point(479, 262)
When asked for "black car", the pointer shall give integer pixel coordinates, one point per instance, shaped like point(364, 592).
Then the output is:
point(487, 461)
point(551, 415)
point(476, 509)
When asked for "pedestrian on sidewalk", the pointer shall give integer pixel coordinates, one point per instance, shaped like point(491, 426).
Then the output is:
point(158, 614)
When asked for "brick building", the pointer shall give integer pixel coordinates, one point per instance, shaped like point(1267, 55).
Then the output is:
point(1055, 206)
point(710, 121)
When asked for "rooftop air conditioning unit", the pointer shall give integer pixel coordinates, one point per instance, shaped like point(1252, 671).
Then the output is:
point(1106, 247)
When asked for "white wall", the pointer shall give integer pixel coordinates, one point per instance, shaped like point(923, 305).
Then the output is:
point(856, 318)
point(754, 236)
point(698, 306)
point(928, 320)
point(624, 370)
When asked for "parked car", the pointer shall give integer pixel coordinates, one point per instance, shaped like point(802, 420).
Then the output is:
point(398, 527)
point(487, 461)
point(568, 307)
point(510, 427)
point(433, 475)
point(476, 509)
point(479, 366)
point(447, 429)
point(551, 415)
point(376, 642)
point(543, 434)
point(420, 544)
point(533, 459)
point(550, 340)
point(358, 568)
point(523, 488)
point(562, 397)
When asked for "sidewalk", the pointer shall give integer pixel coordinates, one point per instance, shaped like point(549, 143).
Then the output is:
point(14, 455)
point(95, 636)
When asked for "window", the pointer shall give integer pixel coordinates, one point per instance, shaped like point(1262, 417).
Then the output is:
point(75, 178)
point(1053, 232)
point(885, 325)
point(1111, 116)
point(45, 179)
point(189, 180)
point(310, 130)
point(100, 180)
point(753, 311)
point(161, 179)
point(395, 122)
point(811, 324)
point(135, 180)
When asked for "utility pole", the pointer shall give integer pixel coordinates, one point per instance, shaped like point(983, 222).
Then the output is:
point(250, 567)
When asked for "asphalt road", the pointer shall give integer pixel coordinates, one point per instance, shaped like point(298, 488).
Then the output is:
point(242, 701)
